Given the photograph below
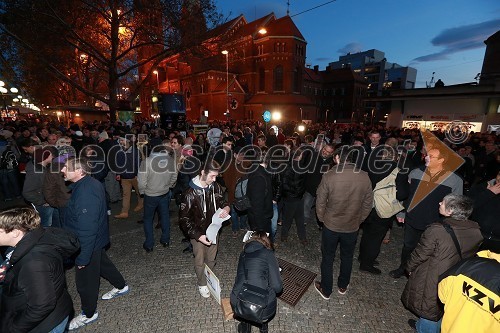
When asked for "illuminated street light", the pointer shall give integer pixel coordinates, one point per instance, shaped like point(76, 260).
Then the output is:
point(14, 90)
point(3, 90)
point(2, 83)
point(155, 72)
point(301, 128)
point(226, 53)
point(262, 31)
point(276, 115)
point(25, 101)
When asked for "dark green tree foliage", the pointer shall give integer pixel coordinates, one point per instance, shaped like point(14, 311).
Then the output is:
point(88, 50)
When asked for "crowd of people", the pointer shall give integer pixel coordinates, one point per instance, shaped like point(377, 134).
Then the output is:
point(340, 178)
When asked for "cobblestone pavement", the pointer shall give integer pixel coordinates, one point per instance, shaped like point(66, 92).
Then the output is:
point(164, 296)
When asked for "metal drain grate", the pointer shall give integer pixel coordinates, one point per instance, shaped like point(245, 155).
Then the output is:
point(296, 281)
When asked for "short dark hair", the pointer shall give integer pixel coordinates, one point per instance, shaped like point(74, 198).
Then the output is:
point(82, 163)
point(180, 139)
point(211, 166)
point(348, 154)
point(226, 139)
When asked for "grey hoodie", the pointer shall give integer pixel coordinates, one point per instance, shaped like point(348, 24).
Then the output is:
point(157, 174)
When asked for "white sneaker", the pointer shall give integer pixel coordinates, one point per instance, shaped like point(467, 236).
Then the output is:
point(204, 292)
point(82, 320)
point(115, 292)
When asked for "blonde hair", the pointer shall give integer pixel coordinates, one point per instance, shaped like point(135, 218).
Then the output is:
point(24, 219)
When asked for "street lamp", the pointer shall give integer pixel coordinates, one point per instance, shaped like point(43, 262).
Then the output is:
point(276, 115)
point(155, 72)
point(226, 53)
point(326, 119)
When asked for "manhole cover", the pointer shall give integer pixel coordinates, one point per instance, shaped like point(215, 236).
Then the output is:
point(296, 281)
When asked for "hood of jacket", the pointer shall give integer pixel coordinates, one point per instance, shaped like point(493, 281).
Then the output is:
point(196, 185)
point(65, 242)
point(253, 246)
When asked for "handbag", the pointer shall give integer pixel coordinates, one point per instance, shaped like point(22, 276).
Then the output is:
point(251, 301)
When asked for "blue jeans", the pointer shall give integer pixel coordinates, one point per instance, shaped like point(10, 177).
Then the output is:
point(238, 220)
point(329, 242)
point(309, 201)
point(61, 328)
point(274, 222)
point(151, 204)
point(428, 326)
point(10, 184)
point(45, 215)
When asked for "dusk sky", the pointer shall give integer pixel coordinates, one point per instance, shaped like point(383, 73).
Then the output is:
point(442, 36)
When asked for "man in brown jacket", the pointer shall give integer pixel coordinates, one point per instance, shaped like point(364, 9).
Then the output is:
point(343, 201)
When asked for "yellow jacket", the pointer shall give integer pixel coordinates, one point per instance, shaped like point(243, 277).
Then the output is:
point(470, 292)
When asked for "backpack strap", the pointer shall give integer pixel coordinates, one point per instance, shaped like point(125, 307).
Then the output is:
point(450, 230)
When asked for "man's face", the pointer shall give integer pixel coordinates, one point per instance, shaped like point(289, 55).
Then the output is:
point(29, 149)
point(70, 174)
point(175, 144)
point(210, 177)
point(326, 152)
point(228, 146)
point(44, 132)
point(375, 139)
point(52, 139)
point(261, 142)
point(94, 134)
point(26, 133)
point(433, 159)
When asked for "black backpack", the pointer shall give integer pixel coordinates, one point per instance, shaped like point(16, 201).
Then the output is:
point(241, 201)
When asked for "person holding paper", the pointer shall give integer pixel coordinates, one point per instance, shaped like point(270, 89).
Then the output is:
point(198, 205)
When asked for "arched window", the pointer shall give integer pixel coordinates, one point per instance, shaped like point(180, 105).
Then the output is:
point(296, 79)
point(278, 78)
point(262, 79)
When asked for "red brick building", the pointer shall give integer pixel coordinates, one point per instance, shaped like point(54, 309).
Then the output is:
point(265, 71)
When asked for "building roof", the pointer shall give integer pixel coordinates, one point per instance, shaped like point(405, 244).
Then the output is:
point(283, 26)
point(312, 75)
point(252, 28)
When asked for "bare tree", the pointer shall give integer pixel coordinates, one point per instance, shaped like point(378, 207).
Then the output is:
point(94, 48)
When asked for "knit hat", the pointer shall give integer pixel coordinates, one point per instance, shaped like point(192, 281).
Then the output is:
point(79, 133)
point(103, 135)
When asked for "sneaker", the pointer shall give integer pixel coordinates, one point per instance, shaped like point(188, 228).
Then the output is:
point(370, 269)
point(115, 292)
point(317, 286)
point(342, 291)
point(204, 292)
point(81, 320)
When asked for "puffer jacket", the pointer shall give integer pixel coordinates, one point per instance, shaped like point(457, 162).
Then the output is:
point(262, 270)
point(198, 205)
point(34, 297)
point(344, 198)
point(433, 256)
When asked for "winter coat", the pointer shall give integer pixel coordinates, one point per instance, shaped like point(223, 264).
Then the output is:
point(344, 198)
point(198, 205)
point(128, 162)
point(316, 168)
point(475, 307)
point(33, 183)
point(86, 216)
point(260, 193)
point(434, 255)
point(262, 270)
point(157, 174)
point(55, 191)
point(294, 185)
point(486, 211)
point(34, 295)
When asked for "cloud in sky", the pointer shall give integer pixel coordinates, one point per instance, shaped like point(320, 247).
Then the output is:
point(322, 59)
point(353, 47)
point(459, 39)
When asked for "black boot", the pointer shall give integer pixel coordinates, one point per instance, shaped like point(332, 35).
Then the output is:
point(263, 328)
point(244, 327)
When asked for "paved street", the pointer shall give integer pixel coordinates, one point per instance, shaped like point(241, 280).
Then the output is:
point(164, 297)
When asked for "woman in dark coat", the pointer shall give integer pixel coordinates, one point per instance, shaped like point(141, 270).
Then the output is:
point(262, 271)
point(435, 253)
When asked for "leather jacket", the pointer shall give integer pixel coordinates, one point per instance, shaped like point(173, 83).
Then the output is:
point(198, 205)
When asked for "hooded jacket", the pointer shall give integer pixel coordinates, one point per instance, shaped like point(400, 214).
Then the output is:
point(34, 297)
point(262, 271)
point(198, 205)
point(434, 255)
